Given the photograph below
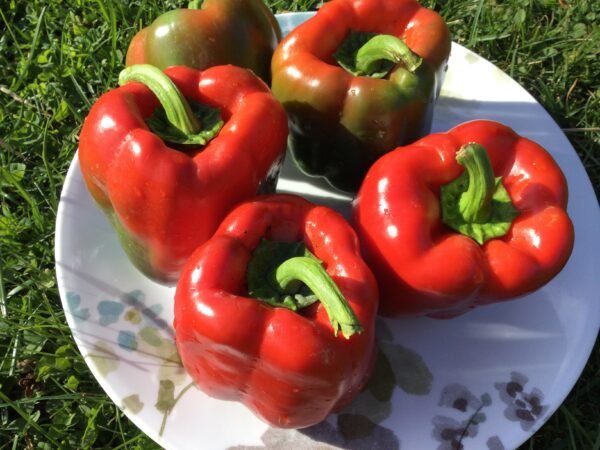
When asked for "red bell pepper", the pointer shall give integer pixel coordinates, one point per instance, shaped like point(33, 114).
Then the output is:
point(167, 182)
point(357, 80)
point(442, 238)
point(247, 328)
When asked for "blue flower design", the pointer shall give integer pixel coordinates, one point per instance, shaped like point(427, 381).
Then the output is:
point(521, 406)
point(110, 311)
point(78, 313)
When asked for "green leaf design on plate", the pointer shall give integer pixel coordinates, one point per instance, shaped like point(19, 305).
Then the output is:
point(411, 373)
point(494, 443)
point(171, 367)
point(355, 426)
point(151, 336)
point(367, 405)
point(486, 399)
point(166, 396)
point(151, 342)
point(133, 403)
point(105, 360)
point(395, 366)
point(383, 330)
point(166, 400)
point(383, 379)
point(133, 316)
point(479, 418)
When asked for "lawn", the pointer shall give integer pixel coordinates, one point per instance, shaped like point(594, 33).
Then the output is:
point(57, 57)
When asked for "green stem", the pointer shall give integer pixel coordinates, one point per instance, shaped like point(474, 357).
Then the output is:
point(177, 109)
point(310, 272)
point(475, 203)
point(195, 4)
point(388, 48)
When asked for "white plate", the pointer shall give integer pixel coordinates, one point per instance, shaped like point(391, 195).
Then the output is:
point(488, 379)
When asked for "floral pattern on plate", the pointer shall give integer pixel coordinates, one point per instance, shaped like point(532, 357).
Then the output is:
point(139, 327)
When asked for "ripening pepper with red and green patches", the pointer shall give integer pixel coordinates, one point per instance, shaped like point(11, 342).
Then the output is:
point(465, 218)
point(168, 154)
point(357, 80)
point(210, 33)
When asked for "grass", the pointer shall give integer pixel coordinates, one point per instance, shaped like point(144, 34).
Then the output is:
point(57, 57)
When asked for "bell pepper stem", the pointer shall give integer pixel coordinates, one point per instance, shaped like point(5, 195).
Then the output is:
point(475, 202)
point(310, 272)
point(389, 48)
point(195, 4)
point(177, 109)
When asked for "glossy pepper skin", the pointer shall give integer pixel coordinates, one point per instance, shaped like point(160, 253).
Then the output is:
point(243, 33)
point(289, 368)
point(165, 202)
point(425, 268)
point(341, 123)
